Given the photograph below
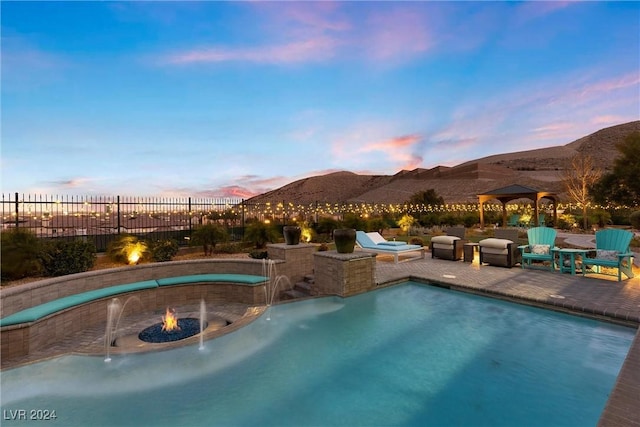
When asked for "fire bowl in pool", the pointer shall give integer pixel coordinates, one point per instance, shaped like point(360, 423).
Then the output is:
point(151, 336)
point(185, 328)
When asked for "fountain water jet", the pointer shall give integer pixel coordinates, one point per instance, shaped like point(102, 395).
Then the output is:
point(113, 309)
point(271, 285)
point(114, 312)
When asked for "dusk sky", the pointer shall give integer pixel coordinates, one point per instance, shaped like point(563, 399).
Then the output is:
point(233, 99)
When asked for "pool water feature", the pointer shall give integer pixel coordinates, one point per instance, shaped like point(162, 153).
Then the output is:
point(409, 355)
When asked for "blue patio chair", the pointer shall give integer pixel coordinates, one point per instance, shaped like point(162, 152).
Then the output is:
point(542, 242)
point(514, 220)
point(612, 250)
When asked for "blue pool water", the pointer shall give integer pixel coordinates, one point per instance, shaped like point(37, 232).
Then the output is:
point(409, 355)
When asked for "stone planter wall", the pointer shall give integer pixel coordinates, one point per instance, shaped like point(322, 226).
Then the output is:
point(298, 260)
point(343, 274)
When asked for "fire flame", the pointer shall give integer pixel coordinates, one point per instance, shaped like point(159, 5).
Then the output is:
point(170, 321)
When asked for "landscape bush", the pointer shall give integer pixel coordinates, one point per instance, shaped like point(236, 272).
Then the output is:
point(354, 221)
point(20, 252)
point(61, 257)
point(416, 241)
point(326, 225)
point(162, 250)
point(229, 248)
point(601, 217)
point(127, 249)
point(258, 254)
point(634, 219)
point(209, 235)
point(470, 219)
point(260, 234)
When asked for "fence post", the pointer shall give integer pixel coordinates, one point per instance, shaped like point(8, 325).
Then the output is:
point(17, 211)
point(190, 218)
point(118, 205)
point(242, 218)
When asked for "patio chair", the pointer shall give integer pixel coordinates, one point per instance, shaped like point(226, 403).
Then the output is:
point(450, 246)
point(375, 243)
point(501, 250)
point(612, 251)
point(514, 220)
point(540, 248)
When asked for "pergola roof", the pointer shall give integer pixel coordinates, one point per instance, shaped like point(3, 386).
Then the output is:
point(513, 192)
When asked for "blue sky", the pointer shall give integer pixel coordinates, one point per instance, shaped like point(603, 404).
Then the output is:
point(212, 99)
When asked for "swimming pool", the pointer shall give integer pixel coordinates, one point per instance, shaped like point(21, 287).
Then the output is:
point(409, 355)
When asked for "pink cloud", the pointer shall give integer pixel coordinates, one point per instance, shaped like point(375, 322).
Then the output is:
point(73, 182)
point(399, 33)
point(608, 120)
point(317, 49)
point(318, 31)
point(610, 85)
point(393, 143)
point(535, 9)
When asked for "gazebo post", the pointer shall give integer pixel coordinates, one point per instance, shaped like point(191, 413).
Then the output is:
point(504, 214)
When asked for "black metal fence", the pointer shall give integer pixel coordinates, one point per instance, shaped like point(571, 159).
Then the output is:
point(102, 218)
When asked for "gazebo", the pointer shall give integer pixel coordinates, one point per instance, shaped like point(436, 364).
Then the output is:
point(513, 192)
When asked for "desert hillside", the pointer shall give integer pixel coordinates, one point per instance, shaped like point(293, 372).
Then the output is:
point(539, 169)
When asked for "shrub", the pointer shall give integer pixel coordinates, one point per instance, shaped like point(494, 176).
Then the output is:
point(20, 254)
point(209, 235)
point(354, 221)
point(416, 241)
point(601, 217)
point(260, 234)
point(634, 219)
point(229, 248)
point(327, 225)
point(127, 249)
point(163, 250)
point(61, 257)
point(258, 254)
point(470, 219)
point(376, 224)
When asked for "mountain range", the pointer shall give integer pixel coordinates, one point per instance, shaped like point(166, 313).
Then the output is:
point(539, 169)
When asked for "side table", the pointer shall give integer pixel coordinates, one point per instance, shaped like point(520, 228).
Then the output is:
point(470, 250)
point(567, 259)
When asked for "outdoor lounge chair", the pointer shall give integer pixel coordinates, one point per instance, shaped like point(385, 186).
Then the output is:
point(375, 243)
point(540, 248)
point(612, 250)
point(501, 250)
point(514, 220)
point(450, 246)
